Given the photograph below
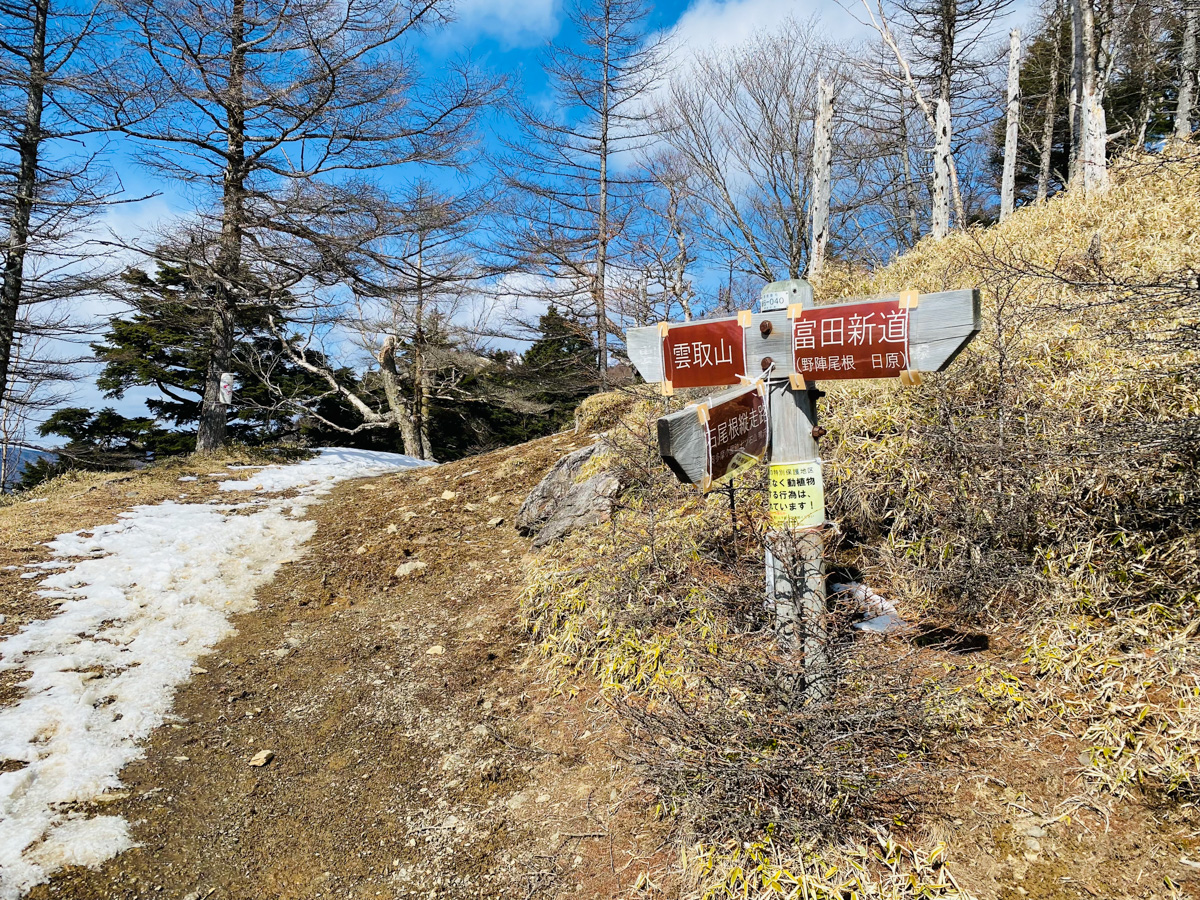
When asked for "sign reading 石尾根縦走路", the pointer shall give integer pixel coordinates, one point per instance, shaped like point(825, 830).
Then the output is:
point(704, 354)
point(736, 433)
point(797, 494)
point(859, 340)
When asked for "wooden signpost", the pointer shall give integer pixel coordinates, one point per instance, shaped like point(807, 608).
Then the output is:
point(776, 356)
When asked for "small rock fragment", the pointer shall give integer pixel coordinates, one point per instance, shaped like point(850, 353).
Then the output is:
point(262, 757)
point(405, 569)
point(409, 515)
point(471, 507)
point(392, 529)
point(435, 650)
point(449, 495)
point(496, 522)
point(425, 479)
point(361, 550)
point(199, 670)
point(495, 498)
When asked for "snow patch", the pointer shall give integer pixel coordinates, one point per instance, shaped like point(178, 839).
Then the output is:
point(142, 599)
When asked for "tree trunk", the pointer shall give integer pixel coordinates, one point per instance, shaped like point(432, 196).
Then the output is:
point(422, 382)
point(24, 189)
point(1043, 185)
point(822, 157)
point(1189, 74)
point(940, 225)
point(1009, 183)
point(1092, 169)
point(1077, 116)
point(602, 217)
point(400, 407)
point(910, 194)
point(210, 436)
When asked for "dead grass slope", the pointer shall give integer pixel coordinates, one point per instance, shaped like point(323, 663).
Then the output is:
point(1042, 492)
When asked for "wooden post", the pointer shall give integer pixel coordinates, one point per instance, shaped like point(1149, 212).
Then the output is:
point(1009, 184)
point(822, 158)
point(795, 559)
point(940, 224)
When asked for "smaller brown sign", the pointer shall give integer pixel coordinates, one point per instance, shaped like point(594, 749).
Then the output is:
point(736, 433)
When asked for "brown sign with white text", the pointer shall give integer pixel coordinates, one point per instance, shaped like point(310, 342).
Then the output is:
point(858, 340)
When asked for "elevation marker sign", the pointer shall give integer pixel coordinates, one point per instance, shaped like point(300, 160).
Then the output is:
point(775, 357)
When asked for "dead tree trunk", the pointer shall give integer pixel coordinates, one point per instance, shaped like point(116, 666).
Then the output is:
point(1043, 184)
point(822, 178)
point(1090, 139)
point(1076, 112)
point(1009, 182)
point(940, 224)
point(1189, 72)
point(24, 190)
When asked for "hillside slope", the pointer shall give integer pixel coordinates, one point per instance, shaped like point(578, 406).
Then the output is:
point(1035, 509)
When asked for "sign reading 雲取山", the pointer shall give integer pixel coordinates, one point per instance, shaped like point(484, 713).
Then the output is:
point(704, 354)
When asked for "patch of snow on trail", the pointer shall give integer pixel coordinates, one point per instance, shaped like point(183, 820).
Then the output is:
point(143, 599)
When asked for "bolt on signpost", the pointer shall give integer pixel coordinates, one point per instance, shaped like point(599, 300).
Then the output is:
point(771, 360)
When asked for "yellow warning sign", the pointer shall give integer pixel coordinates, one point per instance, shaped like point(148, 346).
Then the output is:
point(797, 494)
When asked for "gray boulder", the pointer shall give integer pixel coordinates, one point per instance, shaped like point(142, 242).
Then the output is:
point(559, 504)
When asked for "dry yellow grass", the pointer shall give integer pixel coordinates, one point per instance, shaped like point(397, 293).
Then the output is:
point(1040, 486)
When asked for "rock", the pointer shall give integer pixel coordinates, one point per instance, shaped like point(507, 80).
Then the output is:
point(199, 670)
point(543, 798)
point(495, 498)
point(262, 757)
point(1035, 831)
point(471, 507)
point(449, 495)
point(425, 479)
point(559, 505)
point(282, 652)
point(1033, 845)
point(405, 569)
point(496, 522)
point(408, 516)
point(392, 529)
point(361, 550)
point(435, 650)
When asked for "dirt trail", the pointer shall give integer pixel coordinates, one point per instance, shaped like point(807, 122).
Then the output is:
point(413, 755)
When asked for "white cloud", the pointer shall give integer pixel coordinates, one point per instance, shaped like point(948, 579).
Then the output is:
point(708, 25)
point(513, 23)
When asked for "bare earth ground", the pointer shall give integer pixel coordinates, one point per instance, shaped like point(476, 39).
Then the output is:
point(416, 756)
point(413, 757)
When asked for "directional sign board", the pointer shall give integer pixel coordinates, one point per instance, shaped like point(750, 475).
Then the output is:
point(880, 337)
point(708, 443)
point(857, 340)
point(703, 354)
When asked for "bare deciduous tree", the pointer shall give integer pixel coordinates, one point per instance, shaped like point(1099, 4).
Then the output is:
point(743, 122)
point(570, 169)
point(273, 109)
